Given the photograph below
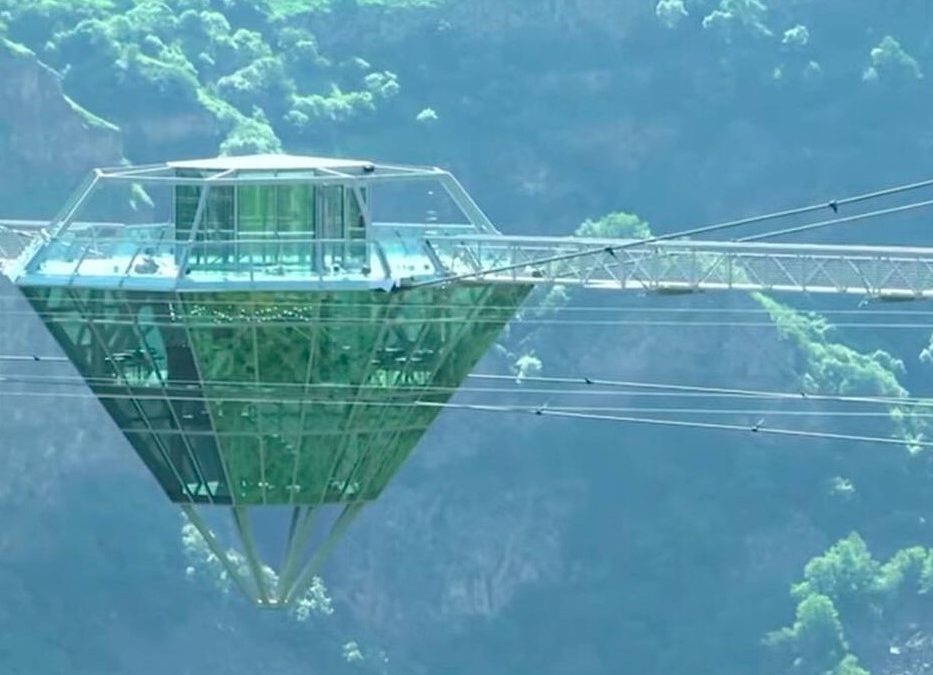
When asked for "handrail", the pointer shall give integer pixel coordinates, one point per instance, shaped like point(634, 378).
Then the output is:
point(598, 244)
point(405, 261)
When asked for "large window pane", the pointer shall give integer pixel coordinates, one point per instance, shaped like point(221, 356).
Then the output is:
point(255, 210)
point(218, 221)
point(293, 217)
point(294, 223)
point(186, 205)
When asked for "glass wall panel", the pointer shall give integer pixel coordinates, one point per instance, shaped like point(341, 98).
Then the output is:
point(261, 225)
point(243, 459)
point(186, 205)
point(279, 454)
point(255, 221)
point(294, 223)
point(274, 397)
point(148, 448)
point(255, 210)
point(356, 222)
point(204, 448)
point(330, 227)
point(293, 216)
point(285, 354)
point(218, 229)
point(218, 220)
point(317, 460)
point(130, 348)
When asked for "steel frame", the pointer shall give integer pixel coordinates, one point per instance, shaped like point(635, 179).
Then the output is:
point(613, 264)
point(689, 266)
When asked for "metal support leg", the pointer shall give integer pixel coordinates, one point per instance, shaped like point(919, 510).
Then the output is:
point(241, 519)
point(298, 537)
point(199, 524)
point(307, 573)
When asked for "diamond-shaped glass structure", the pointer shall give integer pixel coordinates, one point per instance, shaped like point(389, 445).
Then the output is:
point(242, 322)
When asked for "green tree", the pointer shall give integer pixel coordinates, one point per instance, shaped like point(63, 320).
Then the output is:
point(815, 643)
point(33, 23)
point(251, 135)
point(153, 18)
point(615, 225)
point(903, 573)
point(671, 12)
point(733, 18)
point(262, 84)
point(845, 573)
point(849, 666)
point(827, 366)
point(890, 62)
point(204, 34)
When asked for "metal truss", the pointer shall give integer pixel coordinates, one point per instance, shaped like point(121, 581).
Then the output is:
point(686, 266)
point(659, 267)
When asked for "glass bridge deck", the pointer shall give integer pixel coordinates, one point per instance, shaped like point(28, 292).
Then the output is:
point(147, 258)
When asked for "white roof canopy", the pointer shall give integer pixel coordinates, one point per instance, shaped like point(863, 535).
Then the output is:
point(269, 162)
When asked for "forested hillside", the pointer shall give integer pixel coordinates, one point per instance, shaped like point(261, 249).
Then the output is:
point(507, 545)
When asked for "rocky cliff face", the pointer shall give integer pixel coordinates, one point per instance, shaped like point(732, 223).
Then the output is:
point(500, 18)
point(47, 144)
point(47, 141)
point(496, 20)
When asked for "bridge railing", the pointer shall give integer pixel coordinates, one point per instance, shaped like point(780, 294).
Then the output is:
point(403, 257)
point(170, 264)
point(684, 266)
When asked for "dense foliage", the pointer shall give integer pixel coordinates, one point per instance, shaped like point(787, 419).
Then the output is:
point(568, 549)
point(249, 68)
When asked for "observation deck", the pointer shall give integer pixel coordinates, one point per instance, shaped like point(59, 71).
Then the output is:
point(230, 315)
point(247, 223)
point(288, 223)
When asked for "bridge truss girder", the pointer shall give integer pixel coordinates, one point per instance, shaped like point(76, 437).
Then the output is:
point(688, 266)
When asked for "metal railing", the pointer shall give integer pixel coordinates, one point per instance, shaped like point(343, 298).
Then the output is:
point(684, 266)
point(122, 261)
point(400, 257)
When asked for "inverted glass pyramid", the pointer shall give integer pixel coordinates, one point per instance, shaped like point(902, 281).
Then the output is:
point(255, 347)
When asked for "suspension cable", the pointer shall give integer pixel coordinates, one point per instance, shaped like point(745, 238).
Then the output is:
point(755, 393)
point(611, 249)
point(592, 389)
point(571, 414)
point(688, 424)
point(836, 221)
